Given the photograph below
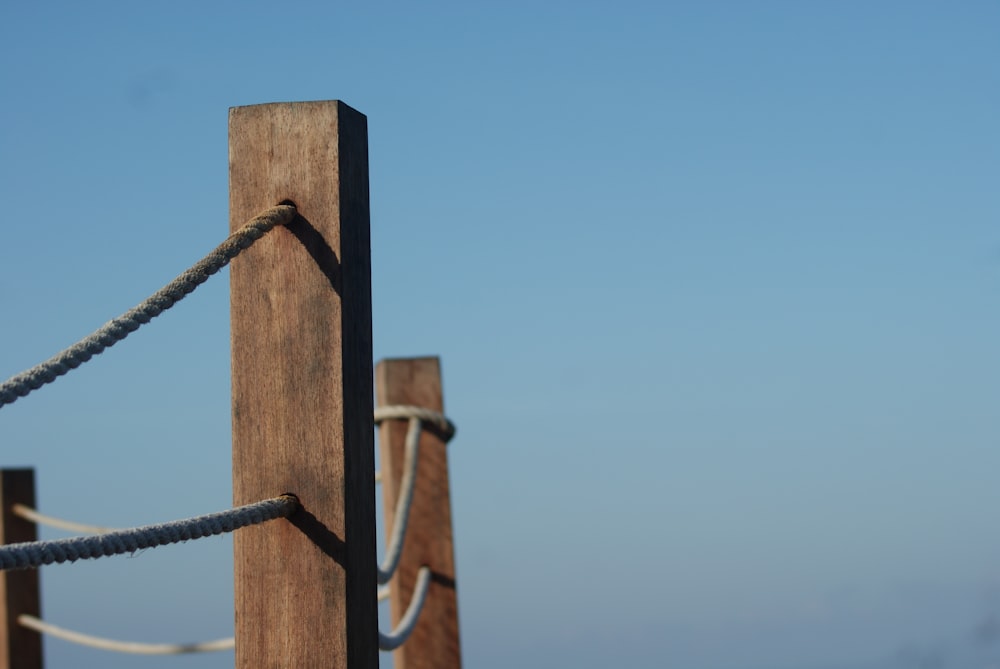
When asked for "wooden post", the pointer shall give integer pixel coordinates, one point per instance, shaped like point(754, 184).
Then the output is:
point(20, 647)
point(302, 388)
point(434, 643)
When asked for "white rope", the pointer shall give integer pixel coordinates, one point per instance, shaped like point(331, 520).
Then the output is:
point(418, 416)
point(386, 642)
point(34, 554)
point(42, 627)
point(394, 550)
point(404, 411)
point(402, 631)
point(51, 521)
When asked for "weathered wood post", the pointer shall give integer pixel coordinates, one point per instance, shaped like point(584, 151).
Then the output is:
point(434, 643)
point(302, 388)
point(20, 647)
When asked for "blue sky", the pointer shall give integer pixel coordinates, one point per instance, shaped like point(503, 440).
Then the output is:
point(714, 286)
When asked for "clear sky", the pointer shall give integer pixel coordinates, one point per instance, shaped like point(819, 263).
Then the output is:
point(714, 284)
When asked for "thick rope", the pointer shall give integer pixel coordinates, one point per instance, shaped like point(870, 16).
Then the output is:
point(33, 554)
point(402, 516)
point(119, 328)
point(51, 521)
point(402, 632)
point(404, 411)
point(418, 416)
point(31, 622)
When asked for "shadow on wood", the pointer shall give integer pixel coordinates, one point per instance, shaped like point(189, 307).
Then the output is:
point(318, 249)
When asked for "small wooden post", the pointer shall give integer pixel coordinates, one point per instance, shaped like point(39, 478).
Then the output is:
point(20, 647)
point(302, 388)
point(434, 643)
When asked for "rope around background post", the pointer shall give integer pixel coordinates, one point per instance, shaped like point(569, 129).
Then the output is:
point(394, 550)
point(402, 632)
point(417, 416)
point(405, 411)
point(34, 554)
point(119, 328)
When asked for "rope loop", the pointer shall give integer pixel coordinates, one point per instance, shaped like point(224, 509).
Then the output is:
point(398, 636)
point(432, 419)
point(418, 418)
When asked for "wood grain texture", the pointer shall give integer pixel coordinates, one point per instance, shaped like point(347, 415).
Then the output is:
point(20, 648)
point(435, 641)
point(302, 388)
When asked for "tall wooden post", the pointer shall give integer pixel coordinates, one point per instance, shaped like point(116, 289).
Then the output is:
point(302, 388)
point(434, 643)
point(20, 647)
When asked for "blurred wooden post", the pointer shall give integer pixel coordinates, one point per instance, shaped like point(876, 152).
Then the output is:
point(302, 388)
point(20, 647)
point(434, 643)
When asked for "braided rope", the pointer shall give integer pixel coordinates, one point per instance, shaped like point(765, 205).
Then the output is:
point(34, 554)
point(398, 636)
point(31, 622)
point(119, 328)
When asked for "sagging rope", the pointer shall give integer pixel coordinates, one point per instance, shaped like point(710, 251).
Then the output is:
point(42, 627)
point(417, 417)
point(137, 648)
point(115, 330)
point(394, 550)
point(34, 554)
point(386, 642)
point(402, 632)
point(51, 521)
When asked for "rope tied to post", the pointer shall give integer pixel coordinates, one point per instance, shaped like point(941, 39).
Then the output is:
point(34, 554)
point(117, 329)
point(417, 417)
point(111, 542)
